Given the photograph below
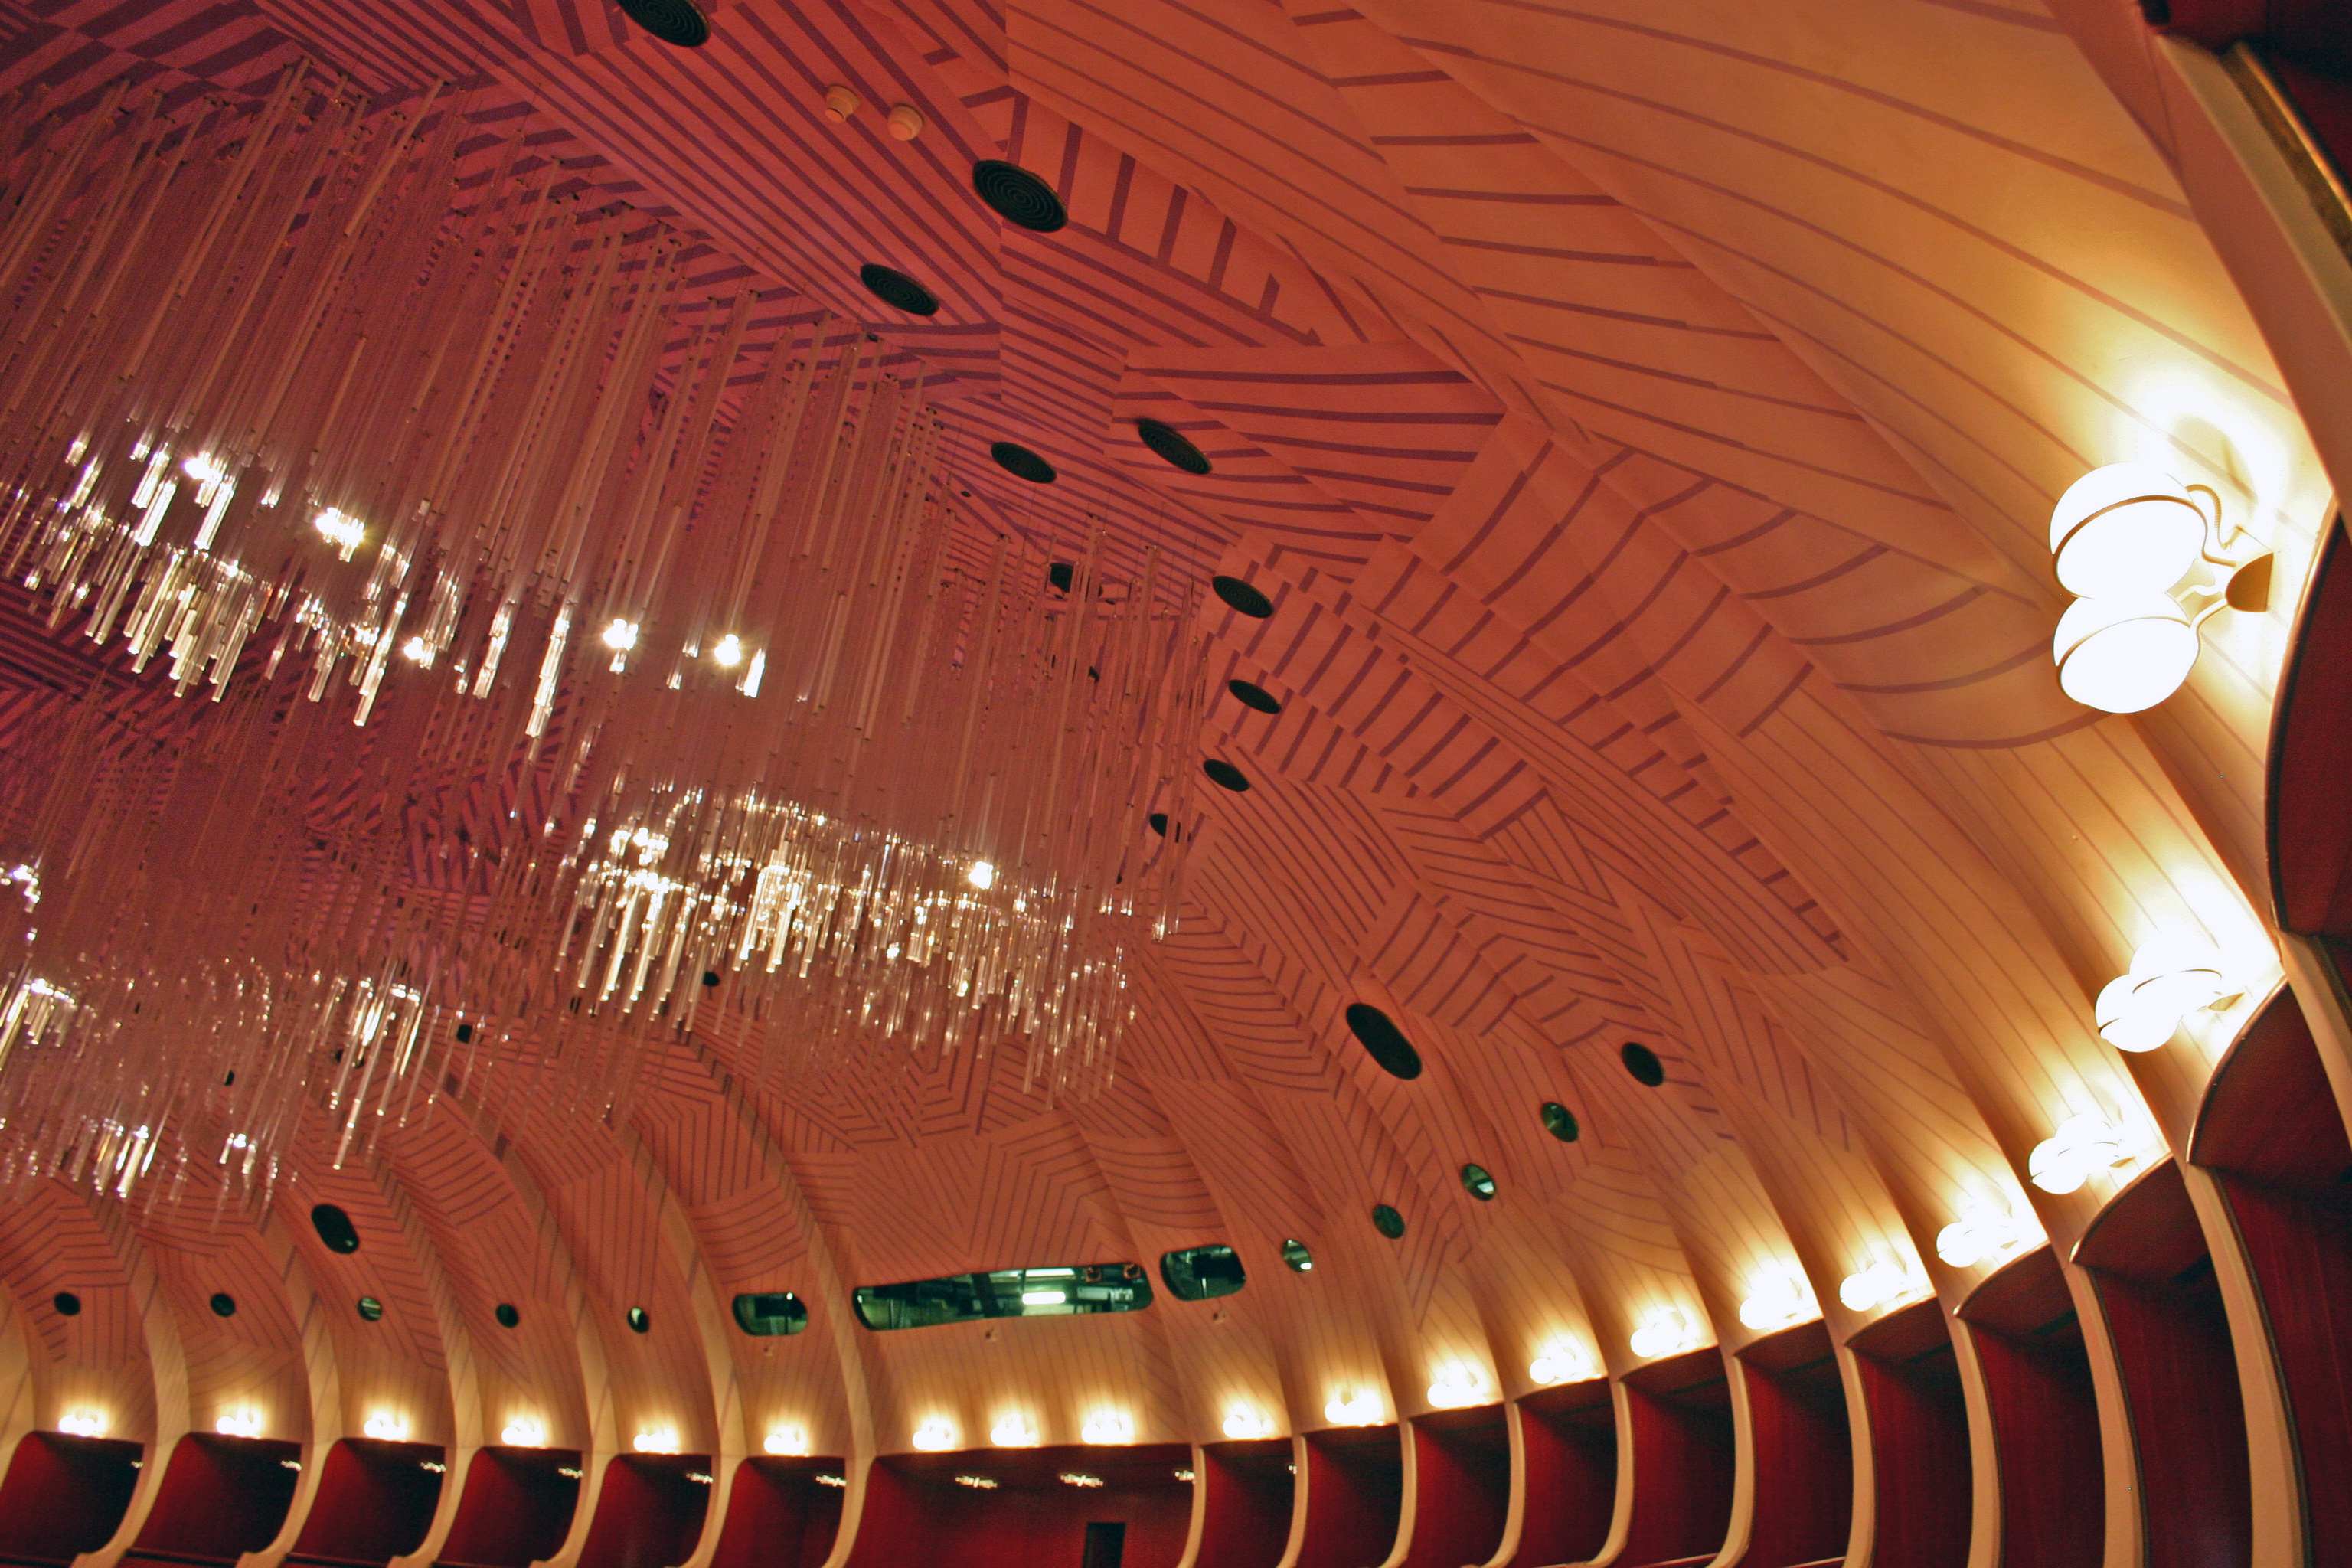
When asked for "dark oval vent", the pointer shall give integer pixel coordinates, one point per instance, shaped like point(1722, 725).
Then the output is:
point(1022, 463)
point(678, 22)
point(1172, 445)
point(898, 290)
point(1224, 773)
point(1386, 1221)
point(335, 1228)
point(1257, 697)
point(67, 1304)
point(223, 1305)
point(507, 1315)
point(1386, 1042)
point(1018, 196)
point(1643, 1064)
point(1242, 597)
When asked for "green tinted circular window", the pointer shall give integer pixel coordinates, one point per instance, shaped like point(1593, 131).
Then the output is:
point(1643, 1064)
point(1386, 1221)
point(640, 1321)
point(371, 1309)
point(1478, 1182)
point(1294, 1253)
point(1560, 1121)
point(507, 1315)
point(223, 1305)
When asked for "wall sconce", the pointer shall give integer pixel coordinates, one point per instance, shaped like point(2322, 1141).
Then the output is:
point(1108, 1427)
point(82, 1423)
point(1980, 1233)
point(1778, 1298)
point(656, 1442)
point(238, 1424)
point(1013, 1432)
point(2170, 978)
point(1457, 1388)
point(385, 1427)
point(2081, 1148)
point(522, 1432)
point(788, 1440)
point(1879, 1285)
point(935, 1435)
point(1565, 1361)
point(1351, 1408)
point(1662, 1332)
point(2124, 536)
point(1243, 1424)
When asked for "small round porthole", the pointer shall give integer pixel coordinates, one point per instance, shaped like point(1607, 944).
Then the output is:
point(1643, 1064)
point(640, 1321)
point(898, 290)
point(1172, 445)
point(1560, 1121)
point(223, 1305)
point(507, 1315)
point(1022, 463)
point(335, 1228)
point(1245, 598)
point(1478, 1182)
point(1254, 695)
point(1386, 1221)
point(67, 1304)
point(1296, 1256)
point(371, 1309)
point(1379, 1036)
point(1224, 774)
point(771, 1312)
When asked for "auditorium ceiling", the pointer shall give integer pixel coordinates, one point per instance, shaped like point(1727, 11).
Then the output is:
point(1643, 421)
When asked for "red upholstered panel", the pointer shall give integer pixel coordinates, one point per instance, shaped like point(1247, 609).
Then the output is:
point(916, 1515)
point(2045, 1418)
point(2311, 737)
point(516, 1507)
point(2318, 30)
point(649, 1513)
point(2324, 98)
point(1463, 1487)
point(1355, 1492)
point(376, 1502)
point(1918, 1440)
point(220, 1498)
point(64, 1495)
point(779, 1515)
point(1246, 1518)
point(1569, 1436)
point(1684, 1458)
point(1804, 1448)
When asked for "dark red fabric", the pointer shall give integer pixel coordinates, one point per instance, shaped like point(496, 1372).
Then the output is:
point(2319, 31)
point(1461, 1490)
point(1355, 1492)
point(1683, 1459)
point(221, 1496)
point(1245, 1518)
point(376, 1502)
point(1804, 1467)
point(64, 1495)
point(1919, 1454)
point(649, 1513)
point(2311, 737)
point(917, 1517)
point(516, 1509)
point(779, 1515)
point(1571, 1460)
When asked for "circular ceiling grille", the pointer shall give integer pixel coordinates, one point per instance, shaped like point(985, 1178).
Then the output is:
point(1171, 444)
point(1022, 463)
point(1242, 597)
point(1019, 197)
point(898, 290)
point(678, 22)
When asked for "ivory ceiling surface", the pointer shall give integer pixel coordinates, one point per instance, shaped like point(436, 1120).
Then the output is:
point(1645, 419)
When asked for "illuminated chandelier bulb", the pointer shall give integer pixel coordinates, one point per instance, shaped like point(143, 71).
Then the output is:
point(1979, 1233)
point(386, 1427)
point(1879, 1285)
point(729, 653)
point(1242, 1424)
point(1109, 1427)
point(787, 1440)
point(340, 530)
point(523, 1433)
point(239, 1424)
point(1457, 1388)
point(621, 636)
point(1662, 1332)
point(1349, 1408)
point(82, 1423)
point(2170, 978)
point(416, 652)
point(1563, 1362)
point(2080, 1148)
point(935, 1435)
point(1777, 1301)
point(981, 875)
point(1013, 1432)
point(656, 1442)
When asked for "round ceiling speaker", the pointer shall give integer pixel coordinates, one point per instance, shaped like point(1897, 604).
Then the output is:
point(1170, 442)
point(678, 22)
point(1018, 195)
point(1022, 463)
point(1245, 598)
point(898, 290)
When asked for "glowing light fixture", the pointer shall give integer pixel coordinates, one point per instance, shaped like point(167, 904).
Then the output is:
point(2081, 1148)
point(342, 532)
point(1564, 1361)
point(977, 1483)
point(662, 1441)
point(831, 1481)
point(935, 1435)
point(83, 1424)
point(1879, 1285)
point(1352, 1408)
point(522, 1432)
point(729, 653)
point(1013, 1432)
point(621, 636)
point(1080, 1478)
point(2124, 537)
point(981, 875)
point(1109, 1427)
point(1457, 1388)
point(1662, 1332)
point(2170, 978)
point(1043, 1298)
point(1184, 1475)
point(238, 1424)
point(1777, 1298)
point(386, 1427)
point(1242, 1424)
point(787, 1440)
point(1981, 1232)
point(416, 650)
